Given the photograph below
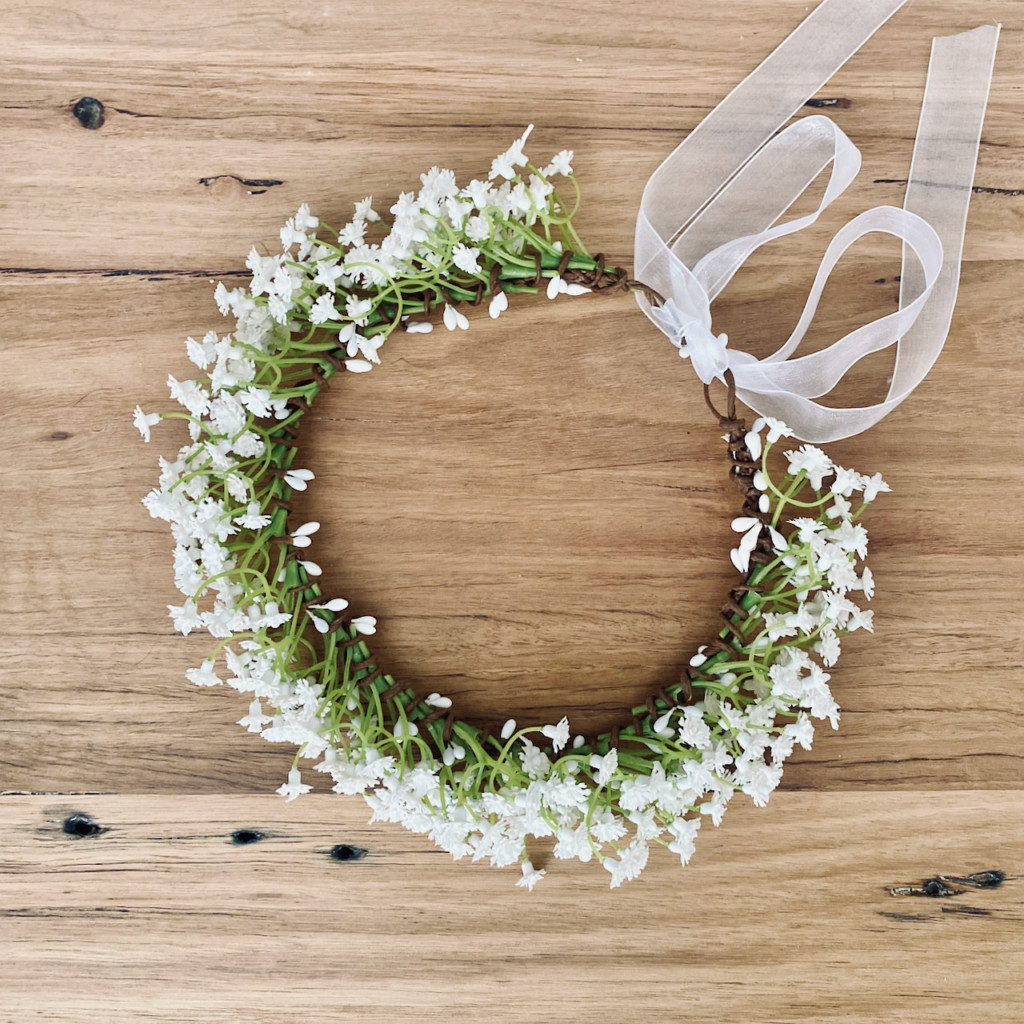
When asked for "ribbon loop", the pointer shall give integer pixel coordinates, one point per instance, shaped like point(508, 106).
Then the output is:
point(722, 193)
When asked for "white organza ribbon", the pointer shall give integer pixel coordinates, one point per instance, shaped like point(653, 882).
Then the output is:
point(721, 193)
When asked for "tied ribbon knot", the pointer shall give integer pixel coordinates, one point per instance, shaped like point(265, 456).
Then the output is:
point(694, 339)
point(722, 194)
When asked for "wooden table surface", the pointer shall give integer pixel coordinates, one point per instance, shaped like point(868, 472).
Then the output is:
point(535, 509)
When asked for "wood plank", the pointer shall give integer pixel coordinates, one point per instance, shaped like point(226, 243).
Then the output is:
point(535, 511)
point(190, 110)
point(784, 915)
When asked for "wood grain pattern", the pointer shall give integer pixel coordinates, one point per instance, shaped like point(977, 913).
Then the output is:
point(784, 915)
point(535, 510)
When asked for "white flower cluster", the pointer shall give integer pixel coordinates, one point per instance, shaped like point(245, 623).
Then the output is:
point(247, 579)
point(443, 242)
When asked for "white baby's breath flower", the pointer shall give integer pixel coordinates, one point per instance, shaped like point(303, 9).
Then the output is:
point(263, 270)
point(367, 347)
point(353, 233)
point(365, 210)
point(248, 444)
point(812, 461)
point(850, 537)
point(479, 193)
point(457, 209)
point(558, 734)
point(505, 165)
point(776, 428)
point(840, 508)
point(631, 862)
point(478, 229)
point(284, 286)
point(358, 310)
point(807, 528)
point(561, 163)
point(846, 482)
point(438, 184)
point(228, 414)
point(253, 518)
point(268, 617)
point(535, 762)
point(329, 275)
point(190, 394)
point(466, 258)
point(606, 765)
point(204, 675)
point(866, 583)
point(761, 781)
point(828, 647)
point(238, 487)
point(202, 353)
point(186, 617)
point(324, 309)
point(531, 876)
point(873, 485)
point(304, 220)
point(693, 729)
point(574, 843)
point(684, 832)
point(860, 619)
point(406, 207)
point(294, 786)
point(144, 420)
point(296, 228)
point(255, 719)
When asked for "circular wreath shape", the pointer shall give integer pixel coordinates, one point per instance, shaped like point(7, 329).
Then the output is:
point(325, 305)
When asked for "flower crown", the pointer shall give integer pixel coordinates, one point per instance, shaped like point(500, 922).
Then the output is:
point(326, 304)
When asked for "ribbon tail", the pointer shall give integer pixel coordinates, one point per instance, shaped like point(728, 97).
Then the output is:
point(940, 186)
